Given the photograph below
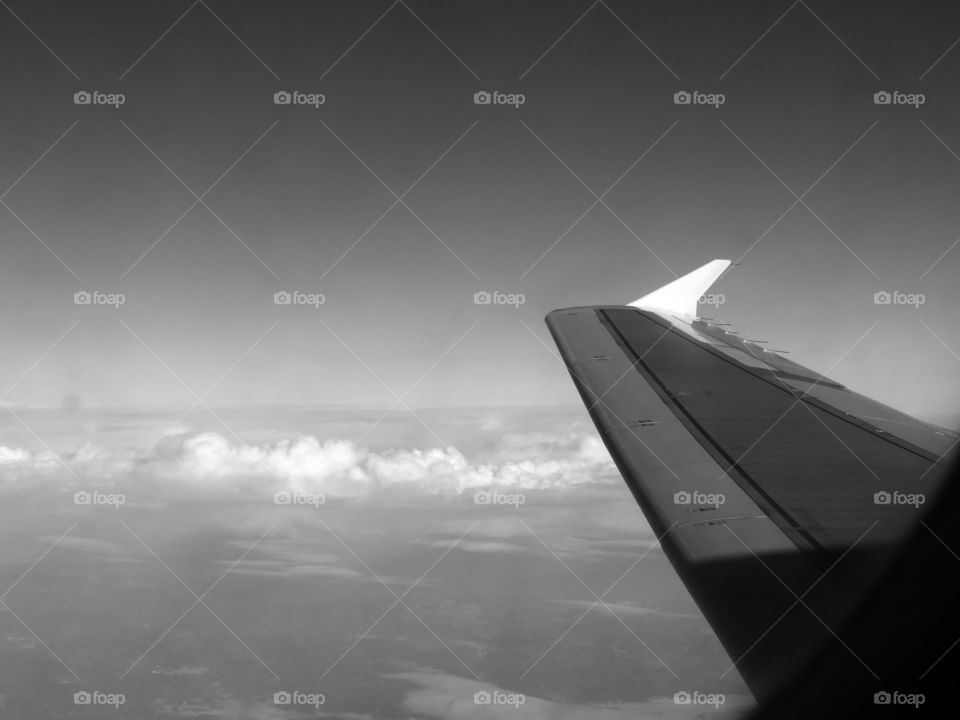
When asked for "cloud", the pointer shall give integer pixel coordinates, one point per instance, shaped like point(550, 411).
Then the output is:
point(332, 467)
point(18, 465)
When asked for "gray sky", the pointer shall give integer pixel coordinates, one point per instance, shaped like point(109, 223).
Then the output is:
point(292, 204)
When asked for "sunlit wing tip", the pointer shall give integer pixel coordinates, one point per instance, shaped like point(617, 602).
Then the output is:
point(681, 295)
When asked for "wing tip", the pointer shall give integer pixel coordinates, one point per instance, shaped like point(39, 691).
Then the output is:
point(681, 295)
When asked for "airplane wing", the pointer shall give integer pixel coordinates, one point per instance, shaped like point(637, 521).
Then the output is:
point(778, 495)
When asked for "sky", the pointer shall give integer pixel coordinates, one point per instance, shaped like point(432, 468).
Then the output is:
point(398, 197)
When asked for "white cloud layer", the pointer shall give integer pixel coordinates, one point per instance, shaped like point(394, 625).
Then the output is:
point(333, 467)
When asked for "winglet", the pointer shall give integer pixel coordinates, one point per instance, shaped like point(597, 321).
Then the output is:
point(681, 295)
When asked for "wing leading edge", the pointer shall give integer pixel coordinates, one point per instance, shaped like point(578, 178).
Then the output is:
point(766, 482)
